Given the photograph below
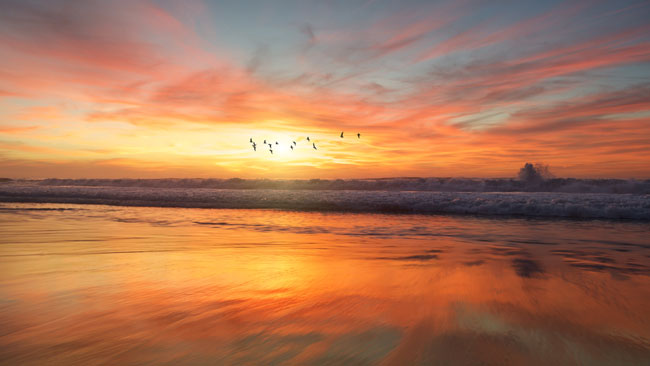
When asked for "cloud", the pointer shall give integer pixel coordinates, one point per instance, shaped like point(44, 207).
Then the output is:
point(17, 129)
point(494, 91)
point(593, 109)
point(479, 36)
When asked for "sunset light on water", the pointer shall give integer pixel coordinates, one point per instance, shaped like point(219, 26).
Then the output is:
point(187, 286)
point(335, 182)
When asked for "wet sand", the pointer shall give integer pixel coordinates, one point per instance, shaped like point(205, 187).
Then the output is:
point(102, 285)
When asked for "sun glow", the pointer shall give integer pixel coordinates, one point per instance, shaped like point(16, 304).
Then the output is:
point(158, 92)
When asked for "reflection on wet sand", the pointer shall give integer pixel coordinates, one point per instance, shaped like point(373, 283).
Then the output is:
point(101, 285)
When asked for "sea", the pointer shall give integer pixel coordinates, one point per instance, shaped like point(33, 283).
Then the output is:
point(402, 271)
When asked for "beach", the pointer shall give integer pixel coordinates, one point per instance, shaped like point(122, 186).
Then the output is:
point(108, 285)
point(324, 183)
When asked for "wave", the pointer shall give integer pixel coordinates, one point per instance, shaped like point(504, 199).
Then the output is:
point(566, 185)
point(534, 204)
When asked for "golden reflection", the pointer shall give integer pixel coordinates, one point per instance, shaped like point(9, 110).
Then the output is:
point(177, 286)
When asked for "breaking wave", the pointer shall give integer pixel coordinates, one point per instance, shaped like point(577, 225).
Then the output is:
point(530, 184)
point(406, 195)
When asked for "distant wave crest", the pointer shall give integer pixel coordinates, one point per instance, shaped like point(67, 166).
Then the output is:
point(406, 200)
point(566, 185)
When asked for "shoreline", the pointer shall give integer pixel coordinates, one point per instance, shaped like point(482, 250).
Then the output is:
point(521, 204)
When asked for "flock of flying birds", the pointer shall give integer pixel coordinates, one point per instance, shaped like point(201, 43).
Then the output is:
point(291, 145)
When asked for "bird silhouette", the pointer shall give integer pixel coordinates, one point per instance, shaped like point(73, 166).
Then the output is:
point(271, 152)
point(294, 143)
point(254, 146)
point(251, 140)
point(358, 135)
point(314, 145)
point(291, 146)
point(341, 134)
point(308, 138)
point(277, 143)
point(264, 142)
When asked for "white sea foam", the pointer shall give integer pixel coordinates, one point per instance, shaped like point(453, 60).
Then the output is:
point(406, 200)
point(567, 185)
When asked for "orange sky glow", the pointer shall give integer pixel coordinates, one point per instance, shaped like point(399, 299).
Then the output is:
point(145, 89)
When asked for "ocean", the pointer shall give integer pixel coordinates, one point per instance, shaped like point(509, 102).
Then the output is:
point(565, 198)
point(365, 272)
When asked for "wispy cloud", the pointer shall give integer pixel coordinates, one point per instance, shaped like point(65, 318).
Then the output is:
point(434, 89)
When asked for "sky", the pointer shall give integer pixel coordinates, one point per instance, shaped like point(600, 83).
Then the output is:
point(152, 89)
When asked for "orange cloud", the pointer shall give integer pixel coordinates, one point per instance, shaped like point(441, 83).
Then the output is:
point(138, 83)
